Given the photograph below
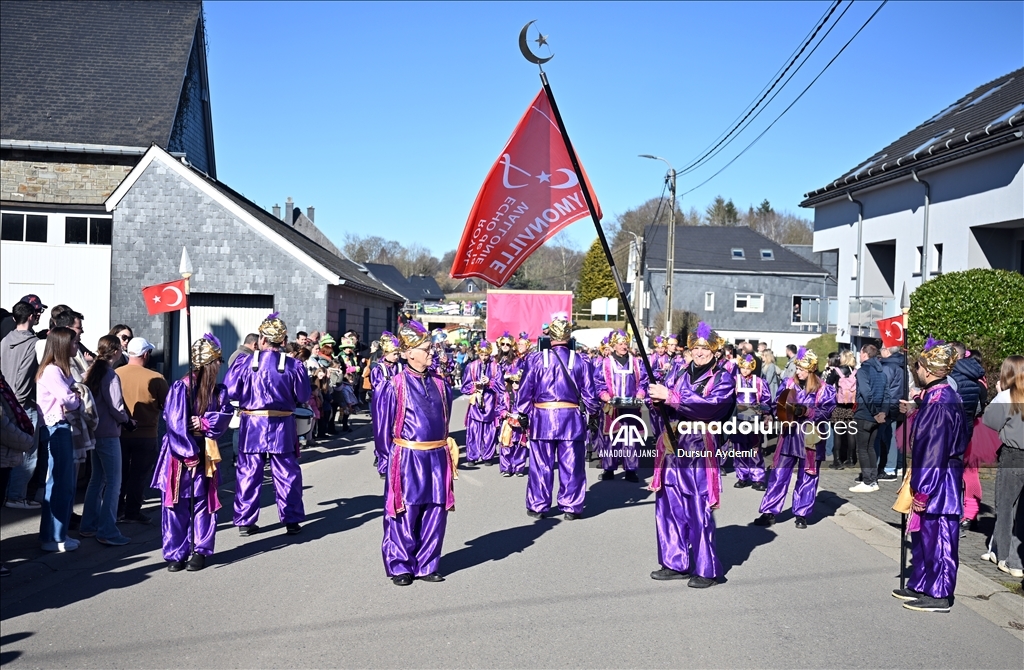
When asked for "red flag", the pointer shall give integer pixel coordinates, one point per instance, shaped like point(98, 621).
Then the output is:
point(169, 297)
point(892, 332)
point(529, 195)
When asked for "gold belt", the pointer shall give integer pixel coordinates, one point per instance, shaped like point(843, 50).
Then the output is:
point(556, 405)
point(421, 446)
point(266, 412)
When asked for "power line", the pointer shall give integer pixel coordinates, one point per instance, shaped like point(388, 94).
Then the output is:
point(821, 23)
point(829, 64)
point(774, 95)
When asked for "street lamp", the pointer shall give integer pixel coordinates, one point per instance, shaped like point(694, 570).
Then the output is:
point(670, 251)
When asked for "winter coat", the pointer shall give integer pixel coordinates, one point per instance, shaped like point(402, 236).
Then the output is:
point(872, 391)
point(895, 378)
point(14, 442)
point(967, 374)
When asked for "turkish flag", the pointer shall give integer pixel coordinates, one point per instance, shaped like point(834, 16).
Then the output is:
point(530, 194)
point(169, 297)
point(892, 332)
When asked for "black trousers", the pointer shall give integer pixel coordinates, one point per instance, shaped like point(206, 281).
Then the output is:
point(866, 434)
point(138, 454)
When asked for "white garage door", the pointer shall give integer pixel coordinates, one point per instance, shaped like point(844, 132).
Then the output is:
point(229, 317)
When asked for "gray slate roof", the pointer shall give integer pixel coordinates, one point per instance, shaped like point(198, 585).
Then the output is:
point(710, 248)
point(392, 278)
point(425, 288)
point(93, 72)
point(988, 116)
point(354, 277)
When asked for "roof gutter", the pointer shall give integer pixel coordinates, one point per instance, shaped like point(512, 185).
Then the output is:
point(71, 147)
point(860, 236)
point(924, 236)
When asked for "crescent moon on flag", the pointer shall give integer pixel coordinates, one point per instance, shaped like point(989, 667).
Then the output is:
point(897, 323)
point(177, 292)
point(571, 181)
point(525, 48)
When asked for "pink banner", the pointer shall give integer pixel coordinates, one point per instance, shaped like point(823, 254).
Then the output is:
point(518, 311)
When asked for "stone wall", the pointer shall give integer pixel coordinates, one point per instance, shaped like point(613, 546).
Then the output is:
point(59, 183)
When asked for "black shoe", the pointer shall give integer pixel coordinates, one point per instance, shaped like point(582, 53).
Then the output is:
point(740, 484)
point(697, 582)
point(196, 563)
point(666, 574)
point(534, 515)
point(293, 529)
point(607, 475)
point(248, 531)
point(402, 580)
point(520, 474)
point(175, 566)
point(506, 474)
point(765, 520)
point(859, 478)
point(759, 486)
point(488, 462)
point(383, 476)
point(886, 477)
point(906, 594)
point(138, 517)
point(571, 516)
point(929, 604)
point(432, 577)
point(801, 522)
point(631, 476)
point(836, 465)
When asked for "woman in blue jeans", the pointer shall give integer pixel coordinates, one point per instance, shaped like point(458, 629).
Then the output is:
point(56, 397)
point(99, 516)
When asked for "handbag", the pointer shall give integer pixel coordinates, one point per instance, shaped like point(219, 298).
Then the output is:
point(904, 497)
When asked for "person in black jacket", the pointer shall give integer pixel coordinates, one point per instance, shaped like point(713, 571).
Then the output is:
point(872, 410)
point(968, 375)
point(893, 365)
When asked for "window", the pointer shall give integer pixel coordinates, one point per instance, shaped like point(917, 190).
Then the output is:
point(342, 322)
point(767, 255)
point(749, 302)
point(737, 254)
point(709, 301)
point(917, 261)
point(23, 227)
point(936, 260)
point(855, 265)
point(80, 230)
point(806, 309)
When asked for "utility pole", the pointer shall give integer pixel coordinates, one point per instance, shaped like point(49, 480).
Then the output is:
point(670, 251)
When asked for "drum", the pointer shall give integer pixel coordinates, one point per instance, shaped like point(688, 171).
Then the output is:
point(746, 414)
point(303, 420)
point(626, 403)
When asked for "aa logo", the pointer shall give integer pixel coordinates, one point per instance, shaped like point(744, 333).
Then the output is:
point(628, 430)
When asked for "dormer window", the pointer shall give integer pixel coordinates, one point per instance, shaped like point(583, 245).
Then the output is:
point(737, 255)
point(767, 255)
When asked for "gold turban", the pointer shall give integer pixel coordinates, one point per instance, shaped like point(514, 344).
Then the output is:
point(389, 343)
point(617, 336)
point(748, 362)
point(412, 334)
point(703, 336)
point(806, 359)
point(505, 339)
point(273, 329)
point(484, 347)
point(560, 327)
point(939, 357)
point(205, 350)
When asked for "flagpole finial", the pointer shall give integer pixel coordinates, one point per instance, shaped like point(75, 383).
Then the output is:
point(905, 299)
point(185, 267)
point(542, 41)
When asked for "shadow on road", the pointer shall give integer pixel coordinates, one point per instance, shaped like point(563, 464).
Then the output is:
point(735, 544)
point(604, 496)
point(495, 546)
point(6, 640)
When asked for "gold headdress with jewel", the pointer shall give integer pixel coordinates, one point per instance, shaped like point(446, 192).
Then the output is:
point(704, 336)
point(938, 357)
point(748, 362)
point(205, 350)
point(412, 334)
point(274, 329)
point(617, 336)
point(389, 343)
point(806, 359)
point(560, 327)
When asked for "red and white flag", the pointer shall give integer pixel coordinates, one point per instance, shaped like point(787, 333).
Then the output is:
point(892, 332)
point(530, 194)
point(169, 297)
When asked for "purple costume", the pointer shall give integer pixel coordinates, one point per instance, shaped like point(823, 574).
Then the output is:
point(938, 445)
point(511, 456)
point(792, 453)
point(415, 409)
point(753, 392)
point(615, 379)
point(259, 391)
point(180, 483)
point(687, 483)
point(482, 415)
point(381, 374)
point(550, 394)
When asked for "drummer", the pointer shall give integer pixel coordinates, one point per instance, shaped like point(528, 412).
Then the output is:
point(753, 401)
point(621, 383)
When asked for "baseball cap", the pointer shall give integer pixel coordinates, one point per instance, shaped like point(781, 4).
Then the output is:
point(34, 300)
point(138, 346)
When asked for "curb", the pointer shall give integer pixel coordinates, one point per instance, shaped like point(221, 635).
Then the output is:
point(977, 592)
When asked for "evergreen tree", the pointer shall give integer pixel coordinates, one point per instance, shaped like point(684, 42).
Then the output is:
point(596, 279)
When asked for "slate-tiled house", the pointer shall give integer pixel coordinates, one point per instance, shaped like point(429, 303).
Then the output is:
point(947, 196)
point(742, 283)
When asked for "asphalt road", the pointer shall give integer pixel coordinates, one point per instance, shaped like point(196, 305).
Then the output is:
point(519, 592)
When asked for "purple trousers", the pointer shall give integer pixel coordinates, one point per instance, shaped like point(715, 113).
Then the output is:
point(934, 555)
point(684, 521)
point(748, 468)
point(287, 486)
point(176, 522)
point(614, 455)
point(778, 485)
point(481, 437)
point(572, 476)
point(512, 459)
point(413, 539)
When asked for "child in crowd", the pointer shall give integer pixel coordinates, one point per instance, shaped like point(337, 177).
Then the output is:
point(349, 402)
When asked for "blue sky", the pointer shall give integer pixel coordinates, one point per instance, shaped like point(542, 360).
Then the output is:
point(386, 117)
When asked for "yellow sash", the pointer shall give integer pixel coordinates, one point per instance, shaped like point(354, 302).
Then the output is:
point(556, 405)
point(266, 412)
point(450, 444)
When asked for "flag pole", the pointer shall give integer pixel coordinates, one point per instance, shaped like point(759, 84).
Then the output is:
point(584, 188)
point(905, 308)
point(185, 269)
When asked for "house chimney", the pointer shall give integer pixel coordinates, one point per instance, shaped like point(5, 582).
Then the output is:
point(309, 214)
point(289, 211)
point(277, 211)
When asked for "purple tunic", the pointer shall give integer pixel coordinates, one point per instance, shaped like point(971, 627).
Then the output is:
point(792, 453)
point(753, 392)
point(420, 492)
point(511, 456)
point(557, 376)
point(380, 374)
point(687, 484)
point(938, 445)
point(172, 476)
point(482, 415)
point(623, 380)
